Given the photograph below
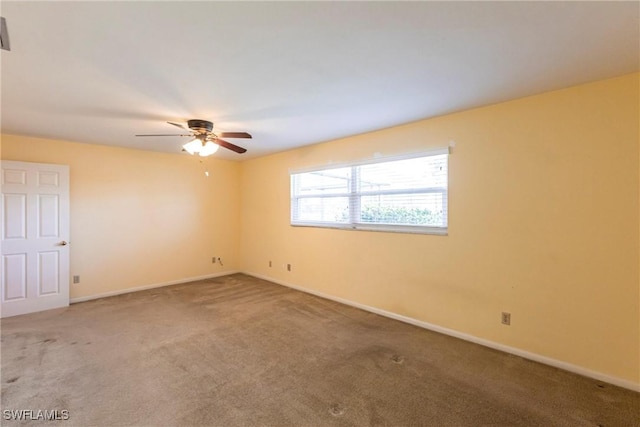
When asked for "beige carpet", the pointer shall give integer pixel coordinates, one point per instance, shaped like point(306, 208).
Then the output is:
point(239, 351)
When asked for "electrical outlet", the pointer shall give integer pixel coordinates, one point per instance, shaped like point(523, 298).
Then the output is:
point(506, 318)
point(269, 263)
point(76, 279)
point(288, 267)
point(213, 260)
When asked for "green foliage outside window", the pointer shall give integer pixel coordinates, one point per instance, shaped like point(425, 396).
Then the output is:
point(396, 215)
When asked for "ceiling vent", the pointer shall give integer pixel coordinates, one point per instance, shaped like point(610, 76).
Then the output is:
point(4, 34)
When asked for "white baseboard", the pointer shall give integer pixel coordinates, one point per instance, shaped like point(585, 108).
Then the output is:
point(467, 337)
point(155, 285)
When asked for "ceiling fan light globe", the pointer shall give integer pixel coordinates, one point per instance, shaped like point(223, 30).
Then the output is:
point(193, 147)
point(208, 149)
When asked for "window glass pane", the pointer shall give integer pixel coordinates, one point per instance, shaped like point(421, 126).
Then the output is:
point(388, 195)
point(325, 209)
point(428, 209)
point(421, 172)
point(331, 181)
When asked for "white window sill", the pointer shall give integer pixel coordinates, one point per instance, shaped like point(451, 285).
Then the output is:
point(408, 229)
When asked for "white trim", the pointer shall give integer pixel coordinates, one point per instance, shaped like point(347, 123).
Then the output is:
point(467, 337)
point(371, 160)
point(355, 195)
point(152, 286)
point(388, 228)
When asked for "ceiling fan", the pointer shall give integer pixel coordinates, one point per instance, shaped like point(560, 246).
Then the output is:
point(204, 141)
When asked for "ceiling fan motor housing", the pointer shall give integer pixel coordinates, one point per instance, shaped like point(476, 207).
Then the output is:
point(200, 125)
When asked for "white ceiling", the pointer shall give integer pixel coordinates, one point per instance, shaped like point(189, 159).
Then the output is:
point(291, 74)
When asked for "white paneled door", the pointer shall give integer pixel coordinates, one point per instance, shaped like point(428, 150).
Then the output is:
point(35, 237)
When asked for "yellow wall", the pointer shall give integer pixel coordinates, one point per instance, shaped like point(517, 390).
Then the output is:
point(543, 223)
point(543, 211)
point(141, 218)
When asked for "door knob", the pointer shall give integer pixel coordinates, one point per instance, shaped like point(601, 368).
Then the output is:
point(63, 243)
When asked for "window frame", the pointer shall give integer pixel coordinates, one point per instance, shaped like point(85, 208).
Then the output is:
point(354, 196)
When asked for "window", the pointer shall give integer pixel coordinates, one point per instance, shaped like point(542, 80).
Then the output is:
point(406, 195)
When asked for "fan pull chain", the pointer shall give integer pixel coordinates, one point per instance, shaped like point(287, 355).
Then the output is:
point(206, 170)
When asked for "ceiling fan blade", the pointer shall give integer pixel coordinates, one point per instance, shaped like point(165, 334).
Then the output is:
point(167, 134)
point(230, 146)
point(234, 135)
point(178, 124)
